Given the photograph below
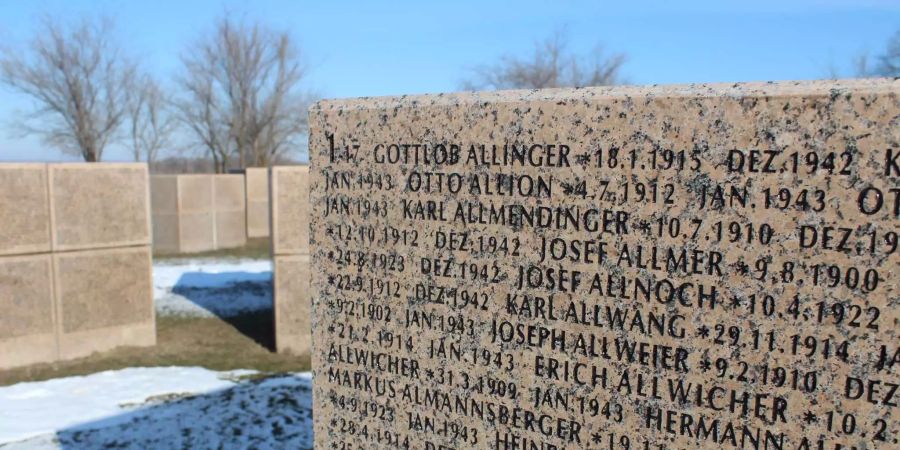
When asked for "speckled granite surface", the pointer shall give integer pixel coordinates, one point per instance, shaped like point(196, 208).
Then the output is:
point(666, 267)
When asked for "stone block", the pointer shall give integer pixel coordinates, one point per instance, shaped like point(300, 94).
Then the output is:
point(293, 331)
point(230, 211)
point(290, 210)
point(24, 209)
point(27, 322)
point(195, 193)
point(257, 182)
point(99, 205)
point(558, 269)
point(164, 194)
point(258, 219)
point(197, 232)
point(229, 192)
point(166, 232)
point(104, 300)
point(231, 229)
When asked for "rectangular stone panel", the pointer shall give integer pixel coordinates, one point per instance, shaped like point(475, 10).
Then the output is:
point(99, 205)
point(105, 300)
point(258, 219)
point(195, 193)
point(257, 182)
point(164, 194)
point(653, 268)
point(229, 192)
point(197, 232)
point(166, 235)
point(27, 324)
point(24, 209)
point(290, 210)
point(292, 308)
point(231, 229)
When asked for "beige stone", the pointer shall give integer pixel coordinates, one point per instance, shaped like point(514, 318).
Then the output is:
point(257, 186)
point(164, 213)
point(105, 300)
point(197, 232)
point(230, 211)
point(27, 322)
point(99, 205)
point(290, 210)
point(293, 332)
point(196, 193)
point(24, 211)
point(164, 194)
point(231, 229)
point(544, 269)
point(198, 213)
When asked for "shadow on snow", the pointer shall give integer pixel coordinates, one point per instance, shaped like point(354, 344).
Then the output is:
point(272, 413)
point(241, 299)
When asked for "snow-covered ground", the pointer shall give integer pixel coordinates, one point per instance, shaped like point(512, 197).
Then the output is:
point(211, 287)
point(170, 407)
point(163, 407)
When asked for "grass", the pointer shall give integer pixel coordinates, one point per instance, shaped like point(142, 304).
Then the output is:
point(256, 248)
point(244, 342)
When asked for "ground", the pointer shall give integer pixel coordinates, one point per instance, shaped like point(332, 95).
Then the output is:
point(212, 381)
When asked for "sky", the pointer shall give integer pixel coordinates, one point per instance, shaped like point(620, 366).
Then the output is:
point(408, 47)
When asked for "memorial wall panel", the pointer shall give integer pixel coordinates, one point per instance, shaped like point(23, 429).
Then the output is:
point(671, 267)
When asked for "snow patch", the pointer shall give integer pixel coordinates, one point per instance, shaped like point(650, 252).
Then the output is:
point(166, 407)
point(212, 287)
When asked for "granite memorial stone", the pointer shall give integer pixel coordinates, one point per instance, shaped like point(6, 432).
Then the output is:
point(659, 268)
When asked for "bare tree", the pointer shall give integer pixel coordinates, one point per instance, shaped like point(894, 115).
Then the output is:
point(79, 81)
point(240, 94)
point(886, 64)
point(551, 65)
point(151, 124)
point(889, 61)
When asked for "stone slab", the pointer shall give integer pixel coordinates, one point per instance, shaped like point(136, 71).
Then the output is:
point(197, 232)
point(293, 333)
point(27, 324)
point(290, 210)
point(99, 205)
point(166, 233)
point(550, 269)
point(230, 211)
point(24, 209)
point(229, 192)
point(104, 300)
point(164, 194)
point(231, 229)
point(257, 186)
point(195, 193)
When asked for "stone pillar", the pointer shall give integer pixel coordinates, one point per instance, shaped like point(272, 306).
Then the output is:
point(290, 250)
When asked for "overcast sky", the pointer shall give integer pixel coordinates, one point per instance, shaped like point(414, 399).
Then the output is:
point(406, 47)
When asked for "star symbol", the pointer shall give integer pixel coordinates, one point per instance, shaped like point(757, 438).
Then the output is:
point(429, 373)
point(583, 159)
point(735, 302)
point(643, 225)
point(703, 331)
point(596, 438)
point(742, 267)
point(809, 417)
point(329, 231)
point(330, 279)
point(331, 328)
point(333, 423)
point(705, 365)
